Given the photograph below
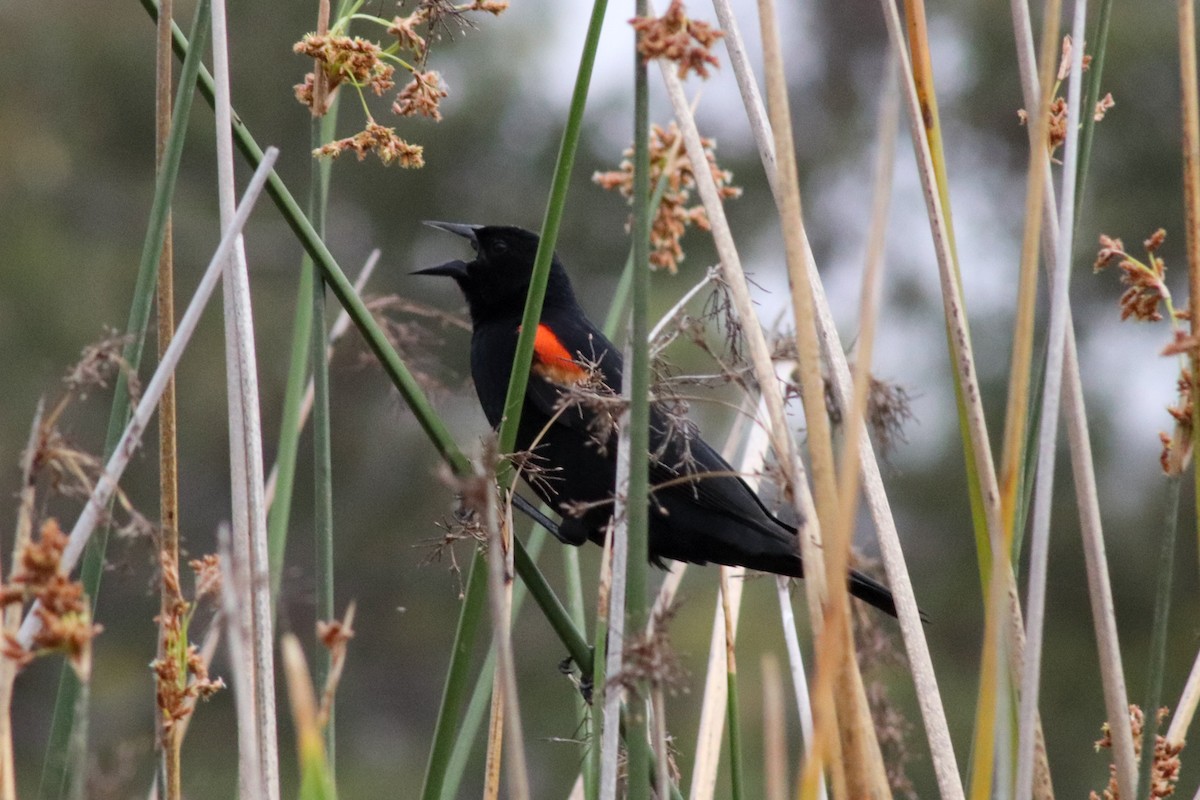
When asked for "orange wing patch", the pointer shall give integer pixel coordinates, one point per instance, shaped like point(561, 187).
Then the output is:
point(552, 361)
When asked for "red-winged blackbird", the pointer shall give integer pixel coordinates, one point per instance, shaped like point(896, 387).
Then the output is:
point(700, 510)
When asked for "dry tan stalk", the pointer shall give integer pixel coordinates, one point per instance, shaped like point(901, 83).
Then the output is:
point(775, 760)
point(500, 588)
point(169, 738)
point(760, 355)
point(716, 685)
point(12, 612)
point(612, 592)
point(1030, 749)
point(495, 743)
point(1190, 102)
point(937, 731)
point(1099, 587)
point(861, 758)
point(725, 621)
point(1186, 708)
point(848, 478)
point(1016, 413)
point(962, 354)
point(661, 753)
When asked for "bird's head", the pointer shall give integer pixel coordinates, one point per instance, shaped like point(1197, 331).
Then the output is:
point(496, 281)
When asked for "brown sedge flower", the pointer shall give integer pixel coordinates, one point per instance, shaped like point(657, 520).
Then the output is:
point(1057, 132)
point(181, 676)
point(64, 614)
point(1147, 288)
point(678, 38)
point(674, 215)
point(1164, 761)
point(421, 96)
point(343, 58)
point(364, 63)
point(380, 140)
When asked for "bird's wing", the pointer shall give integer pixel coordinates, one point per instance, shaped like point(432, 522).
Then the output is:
point(573, 354)
point(715, 484)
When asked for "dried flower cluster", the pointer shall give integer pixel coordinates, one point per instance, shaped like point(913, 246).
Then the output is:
point(889, 410)
point(66, 622)
point(1058, 106)
point(421, 96)
point(668, 160)
point(1147, 288)
point(363, 63)
point(181, 675)
point(380, 140)
point(1145, 281)
point(1164, 769)
point(650, 658)
point(343, 58)
point(678, 38)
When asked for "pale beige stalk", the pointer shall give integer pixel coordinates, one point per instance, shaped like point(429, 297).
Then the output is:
point(917, 648)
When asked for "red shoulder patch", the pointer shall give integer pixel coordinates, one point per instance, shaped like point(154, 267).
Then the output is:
point(552, 360)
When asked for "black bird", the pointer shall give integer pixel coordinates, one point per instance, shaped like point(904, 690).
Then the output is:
point(701, 511)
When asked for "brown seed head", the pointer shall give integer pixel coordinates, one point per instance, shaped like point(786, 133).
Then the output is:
point(421, 96)
point(676, 37)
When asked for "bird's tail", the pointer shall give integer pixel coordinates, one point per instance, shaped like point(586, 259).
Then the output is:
point(872, 592)
point(861, 585)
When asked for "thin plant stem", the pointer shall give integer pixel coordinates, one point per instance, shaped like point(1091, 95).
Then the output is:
point(105, 487)
point(1099, 585)
point(1185, 709)
point(282, 480)
point(1099, 42)
point(612, 598)
point(662, 782)
point(56, 771)
point(500, 552)
point(714, 709)
point(444, 732)
point(10, 616)
point(1156, 663)
point(168, 456)
point(714, 706)
point(917, 648)
point(300, 418)
point(775, 747)
point(322, 445)
point(245, 428)
point(235, 585)
point(1190, 105)
point(736, 779)
point(519, 377)
point(468, 730)
point(1048, 430)
point(840, 702)
point(637, 393)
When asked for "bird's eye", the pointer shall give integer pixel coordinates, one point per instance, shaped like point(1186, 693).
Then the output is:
point(500, 246)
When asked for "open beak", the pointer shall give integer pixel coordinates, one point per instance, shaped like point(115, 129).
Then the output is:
point(457, 228)
point(456, 269)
